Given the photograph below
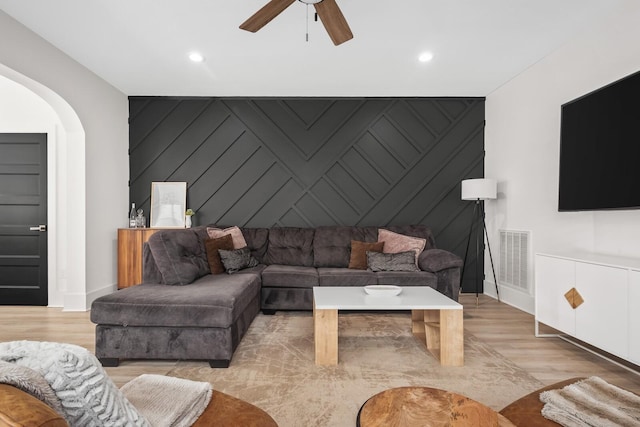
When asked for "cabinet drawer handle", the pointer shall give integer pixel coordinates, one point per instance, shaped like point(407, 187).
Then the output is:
point(574, 298)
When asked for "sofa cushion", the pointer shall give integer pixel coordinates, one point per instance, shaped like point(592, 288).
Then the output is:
point(401, 261)
point(289, 276)
point(257, 240)
point(331, 246)
point(290, 246)
point(179, 255)
point(237, 259)
point(212, 246)
point(150, 272)
point(256, 271)
point(213, 301)
point(328, 276)
point(407, 278)
point(358, 259)
point(435, 260)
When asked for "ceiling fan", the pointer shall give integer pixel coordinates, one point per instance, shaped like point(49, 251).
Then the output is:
point(328, 11)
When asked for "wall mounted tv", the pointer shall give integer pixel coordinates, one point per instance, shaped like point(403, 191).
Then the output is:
point(600, 149)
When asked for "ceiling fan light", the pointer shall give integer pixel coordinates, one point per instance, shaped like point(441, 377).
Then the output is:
point(196, 57)
point(425, 57)
point(309, 1)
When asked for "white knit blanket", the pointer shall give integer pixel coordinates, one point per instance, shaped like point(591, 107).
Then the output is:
point(30, 382)
point(168, 401)
point(88, 397)
point(591, 402)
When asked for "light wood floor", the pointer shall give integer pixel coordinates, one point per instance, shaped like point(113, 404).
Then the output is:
point(506, 329)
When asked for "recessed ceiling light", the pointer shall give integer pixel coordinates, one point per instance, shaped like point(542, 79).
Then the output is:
point(196, 57)
point(425, 57)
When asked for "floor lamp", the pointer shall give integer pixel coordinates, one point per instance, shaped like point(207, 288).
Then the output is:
point(479, 190)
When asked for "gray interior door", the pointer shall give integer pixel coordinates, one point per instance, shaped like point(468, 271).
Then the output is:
point(23, 219)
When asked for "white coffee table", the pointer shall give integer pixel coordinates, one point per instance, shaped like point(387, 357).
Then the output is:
point(436, 319)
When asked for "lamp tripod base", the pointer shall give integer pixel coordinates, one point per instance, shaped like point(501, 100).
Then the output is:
point(477, 221)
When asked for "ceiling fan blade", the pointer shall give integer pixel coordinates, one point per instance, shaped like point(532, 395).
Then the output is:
point(265, 15)
point(334, 21)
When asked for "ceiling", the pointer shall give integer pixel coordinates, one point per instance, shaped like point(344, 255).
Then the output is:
point(141, 46)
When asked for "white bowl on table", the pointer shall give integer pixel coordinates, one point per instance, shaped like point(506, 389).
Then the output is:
point(383, 290)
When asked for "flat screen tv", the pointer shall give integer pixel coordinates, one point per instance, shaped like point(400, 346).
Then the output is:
point(600, 149)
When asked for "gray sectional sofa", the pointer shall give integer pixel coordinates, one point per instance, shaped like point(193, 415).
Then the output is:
point(181, 311)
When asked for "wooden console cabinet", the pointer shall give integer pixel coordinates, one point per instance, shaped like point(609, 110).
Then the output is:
point(594, 298)
point(130, 242)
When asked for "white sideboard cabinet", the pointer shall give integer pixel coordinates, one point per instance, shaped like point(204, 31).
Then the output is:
point(594, 298)
point(634, 317)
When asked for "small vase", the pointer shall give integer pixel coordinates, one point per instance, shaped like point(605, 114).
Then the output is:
point(187, 221)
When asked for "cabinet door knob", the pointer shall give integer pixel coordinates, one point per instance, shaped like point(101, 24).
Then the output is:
point(574, 298)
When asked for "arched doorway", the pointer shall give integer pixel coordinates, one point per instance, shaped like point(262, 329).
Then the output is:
point(36, 108)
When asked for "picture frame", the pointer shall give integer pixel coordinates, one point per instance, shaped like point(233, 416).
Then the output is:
point(168, 204)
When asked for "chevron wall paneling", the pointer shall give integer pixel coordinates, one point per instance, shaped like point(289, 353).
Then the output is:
point(304, 162)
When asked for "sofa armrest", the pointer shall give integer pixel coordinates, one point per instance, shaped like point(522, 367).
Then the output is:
point(435, 260)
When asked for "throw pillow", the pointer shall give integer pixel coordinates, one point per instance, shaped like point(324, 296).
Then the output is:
point(394, 243)
point(401, 261)
point(358, 260)
point(179, 255)
point(87, 395)
point(236, 235)
point(237, 260)
point(212, 246)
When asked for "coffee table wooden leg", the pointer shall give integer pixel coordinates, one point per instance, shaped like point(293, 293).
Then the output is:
point(451, 338)
point(442, 332)
point(325, 324)
point(431, 320)
point(417, 322)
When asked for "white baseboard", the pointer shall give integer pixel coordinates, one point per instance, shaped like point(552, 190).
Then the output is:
point(82, 301)
point(74, 302)
point(512, 297)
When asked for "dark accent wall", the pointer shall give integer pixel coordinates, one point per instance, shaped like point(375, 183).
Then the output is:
point(262, 162)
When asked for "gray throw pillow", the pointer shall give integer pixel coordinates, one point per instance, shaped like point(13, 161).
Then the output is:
point(401, 261)
point(237, 260)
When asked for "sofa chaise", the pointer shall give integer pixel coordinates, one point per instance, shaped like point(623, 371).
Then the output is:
point(182, 311)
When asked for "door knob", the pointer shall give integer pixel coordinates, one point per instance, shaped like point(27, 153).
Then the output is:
point(40, 227)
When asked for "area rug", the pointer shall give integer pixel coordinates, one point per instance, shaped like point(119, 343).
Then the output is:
point(592, 402)
point(274, 369)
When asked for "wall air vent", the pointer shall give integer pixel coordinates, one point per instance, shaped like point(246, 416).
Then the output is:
point(514, 260)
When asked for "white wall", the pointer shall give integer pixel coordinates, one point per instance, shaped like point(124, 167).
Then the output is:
point(522, 140)
point(91, 194)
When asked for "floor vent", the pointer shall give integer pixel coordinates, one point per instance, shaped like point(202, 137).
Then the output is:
point(514, 260)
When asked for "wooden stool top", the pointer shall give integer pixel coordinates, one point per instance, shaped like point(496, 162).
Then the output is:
point(426, 407)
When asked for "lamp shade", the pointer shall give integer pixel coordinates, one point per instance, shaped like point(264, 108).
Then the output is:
point(482, 188)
